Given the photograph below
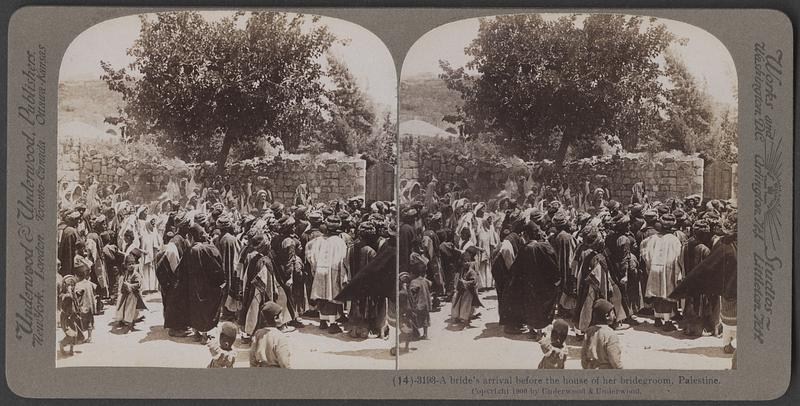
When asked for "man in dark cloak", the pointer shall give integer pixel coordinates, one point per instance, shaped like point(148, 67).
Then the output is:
point(66, 247)
point(229, 248)
point(199, 289)
point(166, 271)
point(533, 283)
point(406, 236)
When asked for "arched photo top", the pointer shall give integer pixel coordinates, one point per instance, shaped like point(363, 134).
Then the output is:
point(493, 61)
point(86, 100)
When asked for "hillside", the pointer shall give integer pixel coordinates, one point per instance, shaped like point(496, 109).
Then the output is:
point(87, 101)
point(427, 98)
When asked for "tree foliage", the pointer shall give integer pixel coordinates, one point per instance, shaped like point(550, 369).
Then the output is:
point(201, 87)
point(544, 86)
point(352, 116)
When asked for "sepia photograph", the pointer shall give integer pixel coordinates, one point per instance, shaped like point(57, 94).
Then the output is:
point(226, 193)
point(568, 195)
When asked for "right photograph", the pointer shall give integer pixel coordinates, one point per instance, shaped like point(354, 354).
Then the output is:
point(568, 195)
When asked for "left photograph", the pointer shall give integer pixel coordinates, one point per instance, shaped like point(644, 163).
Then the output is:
point(226, 193)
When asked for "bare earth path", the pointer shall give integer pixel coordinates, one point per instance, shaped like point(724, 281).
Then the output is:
point(150, 346)
point(486, 346)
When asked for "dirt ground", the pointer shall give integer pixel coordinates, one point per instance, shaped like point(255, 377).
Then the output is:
point(486, 346)
point(149, 345)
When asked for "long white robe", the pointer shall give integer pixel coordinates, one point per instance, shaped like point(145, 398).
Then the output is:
point(663, 256)
point(327, 257)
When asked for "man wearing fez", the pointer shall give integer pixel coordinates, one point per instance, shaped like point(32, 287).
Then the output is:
point(326, 256)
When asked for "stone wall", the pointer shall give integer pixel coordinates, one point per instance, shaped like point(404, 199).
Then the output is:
point(664, 175)
point(328, 177)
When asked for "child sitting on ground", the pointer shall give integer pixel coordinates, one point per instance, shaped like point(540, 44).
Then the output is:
point(555, 354)
point(270, 347)
point(222, 353)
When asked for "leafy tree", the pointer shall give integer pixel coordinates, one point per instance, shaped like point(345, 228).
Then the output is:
point(352, 114)
point(544, 86)
point(690, 114)
point(202, 87)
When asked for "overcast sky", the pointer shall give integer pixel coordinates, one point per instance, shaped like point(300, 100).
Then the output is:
point(366, 55)
point(705, 56)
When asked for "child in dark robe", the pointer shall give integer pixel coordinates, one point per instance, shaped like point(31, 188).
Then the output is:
point(408, 324)
point(222, 353)
point(555, 354)
point(420, 294)
point(70, 323)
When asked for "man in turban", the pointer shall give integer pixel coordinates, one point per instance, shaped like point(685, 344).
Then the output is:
point(661, 253)
point(327, 257)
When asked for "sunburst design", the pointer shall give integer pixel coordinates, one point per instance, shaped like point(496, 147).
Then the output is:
point(773, 188)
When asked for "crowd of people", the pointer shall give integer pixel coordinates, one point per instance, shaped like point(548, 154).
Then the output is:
point(243, 267)
point(561, 262)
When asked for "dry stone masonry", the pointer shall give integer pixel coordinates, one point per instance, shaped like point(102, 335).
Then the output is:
point(329, 177)
point(664, 175)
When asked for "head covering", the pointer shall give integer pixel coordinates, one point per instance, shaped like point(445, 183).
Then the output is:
point(181, 219)
point(650, 215)
point(315, 217)
point(332, 223)
point(276, 207)
point(668, 220)
point(200, 218)
point(409, 212)
point(248, 220)
point(80, 266)
point(224, 221)
point(537, 216)
point(680, 216)
point(270, 309)
point(366, 227)
point(74, 215)
point(729, 222)
point(590, 235)
point(701, 226)
point(620, 221)
point(300, 212)
point(99, 219)
point(602, 307)
point(636, 210)
point(228, 329)
point(286, 224)
point(480, 206)
point(560, 218)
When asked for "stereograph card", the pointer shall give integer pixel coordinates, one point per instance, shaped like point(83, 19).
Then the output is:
point(399, 203)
